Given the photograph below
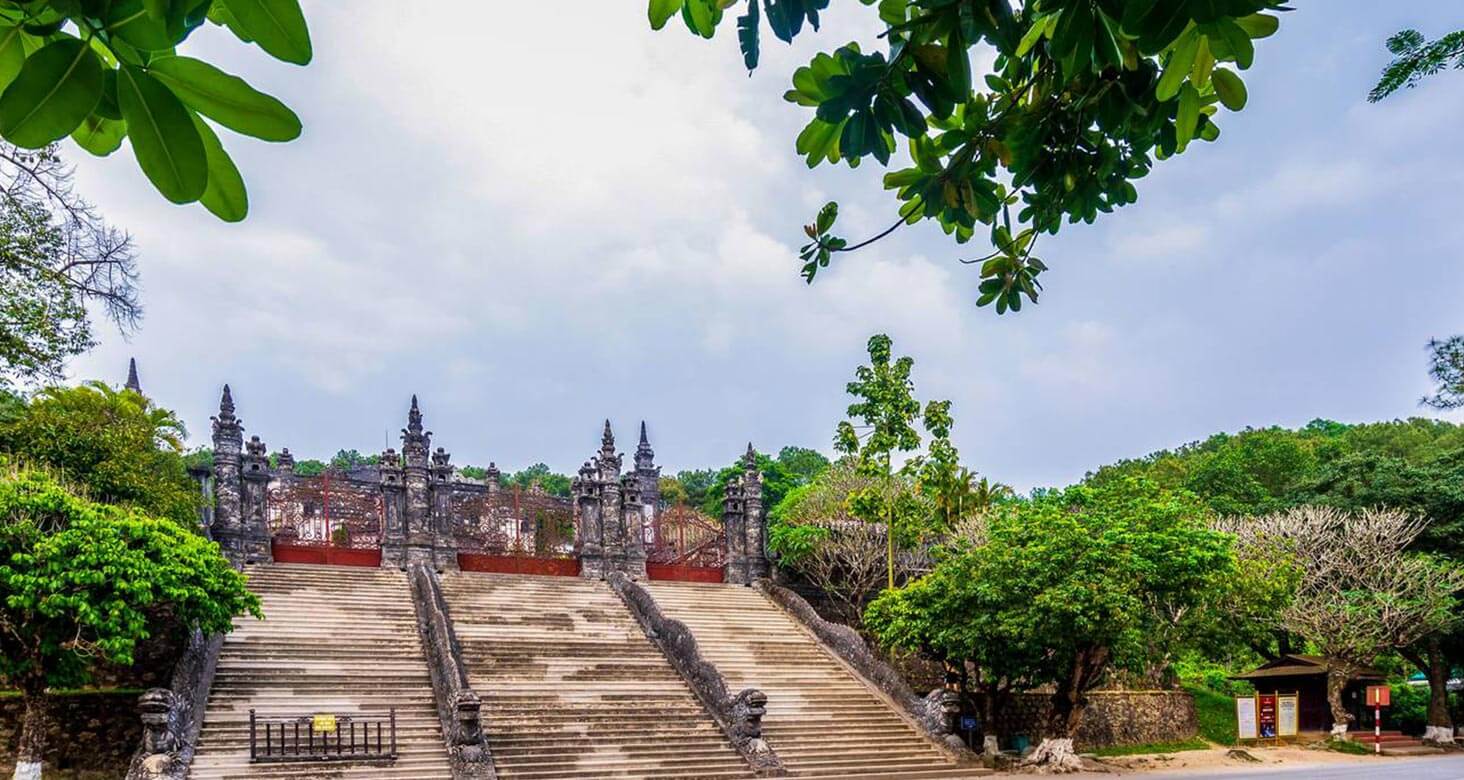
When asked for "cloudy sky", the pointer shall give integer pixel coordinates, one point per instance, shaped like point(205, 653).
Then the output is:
point(536, 221)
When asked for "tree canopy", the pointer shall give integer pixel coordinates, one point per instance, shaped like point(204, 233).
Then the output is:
point(1080, 100)
point(115, 445)
point(100, 72)
point(1414, 58)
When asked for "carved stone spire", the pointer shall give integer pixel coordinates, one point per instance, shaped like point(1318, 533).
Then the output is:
point(749, 459)
point(607, 442)
point(132, 383)
point(414, 417)
point(226, 411)
point(645, 457)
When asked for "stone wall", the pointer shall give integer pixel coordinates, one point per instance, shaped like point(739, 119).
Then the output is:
point(1112, 718)
point(87, 731)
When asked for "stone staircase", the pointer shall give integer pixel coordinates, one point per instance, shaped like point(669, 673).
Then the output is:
point(335, 639)
point(572, 688)
point(822, 719)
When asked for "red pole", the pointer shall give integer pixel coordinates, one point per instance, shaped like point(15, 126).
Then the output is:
point(1378, 729)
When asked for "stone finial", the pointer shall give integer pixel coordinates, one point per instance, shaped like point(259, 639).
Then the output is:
point(440, 458)
point(607, 441)
point(492, 475)
point(226, 424)
point(644, 456)
point(390, 459)
point(749, 459)
point(414, 417)
point(132, 383)
point(286, 460)
point(254, 447)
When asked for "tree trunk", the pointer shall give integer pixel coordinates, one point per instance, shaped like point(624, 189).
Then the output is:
point(1055, 752)
point(1440, 726)
point(1338, 675)
point(31, 751)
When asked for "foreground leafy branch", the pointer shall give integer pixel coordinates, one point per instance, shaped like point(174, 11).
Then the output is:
point(1083, 96)
point(103, 70)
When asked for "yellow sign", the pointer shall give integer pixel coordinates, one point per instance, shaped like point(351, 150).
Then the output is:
point(323, 724)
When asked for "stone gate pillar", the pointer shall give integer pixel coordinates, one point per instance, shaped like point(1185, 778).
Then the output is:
point(734, 527)
point(238, 526)
point(589, 531)
point(393, 510)
point(444, 542)
point(254, 504)
point(416, 481)
point(755, 521)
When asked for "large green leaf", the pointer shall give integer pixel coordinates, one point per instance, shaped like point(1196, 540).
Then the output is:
point(12, 55)
point(278, 26)
point(99, 135)
point(1187, 117)
point(661, 10)
point(130, 21)
point(164, 138)
point(226, 99)
point(57, 87)
point(1230, 89)
point(225, 195)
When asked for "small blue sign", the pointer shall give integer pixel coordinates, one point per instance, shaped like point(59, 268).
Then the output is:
point(968, 723)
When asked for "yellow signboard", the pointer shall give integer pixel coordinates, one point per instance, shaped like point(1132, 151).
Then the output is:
point(323, 724)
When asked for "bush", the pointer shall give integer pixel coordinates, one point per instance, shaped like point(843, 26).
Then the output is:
point(1409, 713)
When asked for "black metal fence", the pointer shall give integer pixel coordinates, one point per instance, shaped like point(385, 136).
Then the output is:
point(298, 739)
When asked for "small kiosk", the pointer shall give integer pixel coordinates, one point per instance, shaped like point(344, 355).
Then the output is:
point(1303, 677)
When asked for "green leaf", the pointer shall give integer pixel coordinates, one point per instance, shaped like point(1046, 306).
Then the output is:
point(99, 135)
point(1259, 25)
point(225, 196)
point(57, 87)
point(131, 22)
point(12, 54)
point(661, 10)
point(1181, 62)
point(278, 26)
point(700, 16)
point(164, 138)
point(1032, 36)
point(226, 99)
point(1230, 89)
point(1237, 42)
point(747, 28)
point(958, 68)
point(1188, 115)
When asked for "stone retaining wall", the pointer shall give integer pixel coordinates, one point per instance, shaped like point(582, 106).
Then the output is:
point(1112, 718)
point(87, 731)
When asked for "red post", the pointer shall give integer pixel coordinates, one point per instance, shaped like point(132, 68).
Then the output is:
point(1377, 729)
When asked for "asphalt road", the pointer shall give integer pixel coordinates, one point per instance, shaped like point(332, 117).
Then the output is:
point(1427, 768)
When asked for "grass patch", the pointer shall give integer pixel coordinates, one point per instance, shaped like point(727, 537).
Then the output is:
point(1216, 715)
point(1349, 747)
point(4, 694)
point(1154, 747)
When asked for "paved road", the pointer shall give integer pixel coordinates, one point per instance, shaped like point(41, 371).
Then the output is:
point(1428, 768)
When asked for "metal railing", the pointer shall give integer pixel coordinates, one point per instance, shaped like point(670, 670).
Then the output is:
point(297, 739)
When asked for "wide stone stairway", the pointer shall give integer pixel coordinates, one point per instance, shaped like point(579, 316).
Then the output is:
point(822, 720)
point(571, 686)
point(335, 639)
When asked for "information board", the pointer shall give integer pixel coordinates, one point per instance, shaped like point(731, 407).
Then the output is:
point(1286, 711)
point(1245, 717)
point(1266, 715)
point(323, 724)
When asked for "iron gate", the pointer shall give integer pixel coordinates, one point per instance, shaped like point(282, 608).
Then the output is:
point(685, 545)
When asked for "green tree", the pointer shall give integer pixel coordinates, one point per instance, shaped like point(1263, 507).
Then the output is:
point(1081, 99)
point(1415, 57)
point(100, 72)
point(887, 412)
point(57, 257)
point(553, 483)
point(345, 460)
point(777, 482)
point(1446, 367)
point(698, 483)
point(82, 583)
point(802, 464)
point(673, 492)
point(1064, 588)
point(116, 445)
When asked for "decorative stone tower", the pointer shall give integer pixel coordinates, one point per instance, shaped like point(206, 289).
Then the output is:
point(648, 478)
point(393, 510)
point(419, 529)
point(745, 524)
point(286, 462)
point(755, 522)
point(444, 547)
point(611, 524)
point(493, 478)
point(239, 481)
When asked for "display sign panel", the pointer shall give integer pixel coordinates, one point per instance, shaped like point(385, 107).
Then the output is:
point(1245, 717)
point(1266, 715)
point(1287, 708)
